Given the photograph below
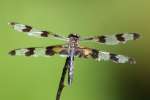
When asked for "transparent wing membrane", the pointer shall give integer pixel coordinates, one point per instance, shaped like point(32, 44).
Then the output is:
point(30, 31)
point(113, 39)
point(84, 52)
point(81, 52)
point(40, 51)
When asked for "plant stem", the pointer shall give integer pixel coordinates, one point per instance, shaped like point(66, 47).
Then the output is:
point(61, 83)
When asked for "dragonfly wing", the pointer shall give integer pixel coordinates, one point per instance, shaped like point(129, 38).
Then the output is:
point(114, 39)
point(84, 52)
point(34, 32)
point(41, 51)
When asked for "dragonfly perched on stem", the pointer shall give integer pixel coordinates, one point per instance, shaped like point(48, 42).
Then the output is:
point(72, 47)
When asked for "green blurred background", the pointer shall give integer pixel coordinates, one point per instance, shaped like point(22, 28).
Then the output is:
point(23, 78)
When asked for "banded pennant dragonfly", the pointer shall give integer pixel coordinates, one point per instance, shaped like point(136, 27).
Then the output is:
point(72, 48)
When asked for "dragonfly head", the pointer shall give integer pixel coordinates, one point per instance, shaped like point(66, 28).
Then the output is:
point(74, 35)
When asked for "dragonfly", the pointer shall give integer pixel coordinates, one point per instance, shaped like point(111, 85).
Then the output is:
point(72, 46)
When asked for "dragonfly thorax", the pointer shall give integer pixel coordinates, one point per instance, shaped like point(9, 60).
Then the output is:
point(73, 40)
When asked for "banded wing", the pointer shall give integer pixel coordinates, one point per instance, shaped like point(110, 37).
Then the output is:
point(81, 52)
point(114, 39)
point(84, 52)
point(41, 51)
point(34, 32)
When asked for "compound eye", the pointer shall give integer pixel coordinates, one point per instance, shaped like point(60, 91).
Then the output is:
point(73, 35)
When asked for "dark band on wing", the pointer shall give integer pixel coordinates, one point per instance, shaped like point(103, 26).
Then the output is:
point(12, 23)
point(86, 53)
point(49, 51)
point(30, 51)
point(120, 37)
point(44, 33)
point(113, 57)
point(27, 28)
point(12, 52)
point(136, 36)
point(94, 53)
point(102, 39)
point(119, 59)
